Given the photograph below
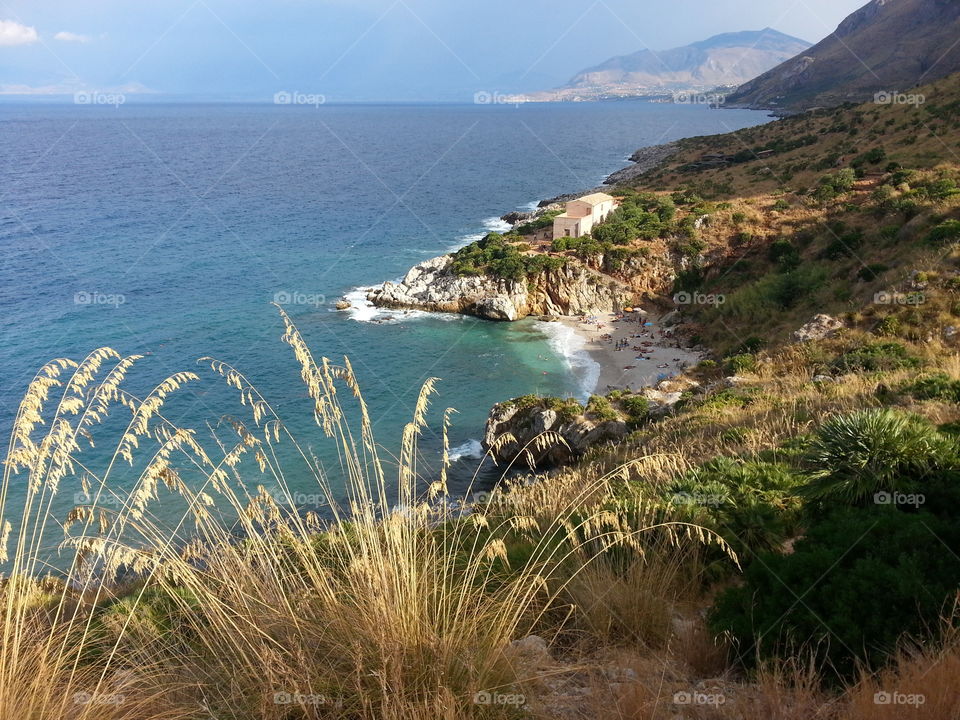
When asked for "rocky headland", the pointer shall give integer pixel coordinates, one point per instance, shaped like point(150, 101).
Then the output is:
point(574, 289)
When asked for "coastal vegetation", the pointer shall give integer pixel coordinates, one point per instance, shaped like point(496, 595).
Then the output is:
point(784, 538)
point(502, 256)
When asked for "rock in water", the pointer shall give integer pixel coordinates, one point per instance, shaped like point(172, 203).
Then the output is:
point(526, 424)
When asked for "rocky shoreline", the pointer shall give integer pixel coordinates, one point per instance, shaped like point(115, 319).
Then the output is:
point(571, 290)
point(636, 354)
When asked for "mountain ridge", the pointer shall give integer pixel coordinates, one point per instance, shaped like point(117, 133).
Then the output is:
point(723, 60)
point(885, 46)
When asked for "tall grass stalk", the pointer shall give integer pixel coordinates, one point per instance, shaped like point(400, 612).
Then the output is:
point(395, 604)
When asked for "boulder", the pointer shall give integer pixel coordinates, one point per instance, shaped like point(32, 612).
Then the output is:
point(821, 327)
point(498, 307)
point(517, 217)
point(525, 425)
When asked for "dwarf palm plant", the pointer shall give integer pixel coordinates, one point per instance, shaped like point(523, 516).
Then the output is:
point(877, 450)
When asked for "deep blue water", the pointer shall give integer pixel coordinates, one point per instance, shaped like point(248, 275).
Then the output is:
point(198, 216)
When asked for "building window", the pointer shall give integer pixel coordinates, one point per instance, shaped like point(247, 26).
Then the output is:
point(567, 232)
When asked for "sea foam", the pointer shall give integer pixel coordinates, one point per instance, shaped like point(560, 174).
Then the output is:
point(572, 347)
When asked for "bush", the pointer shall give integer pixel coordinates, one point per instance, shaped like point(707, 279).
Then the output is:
point(832, 186)
point(874, 357)
point(869, 273)
point(845, 244)
point(567, 409)
point(938, 386)
point(543, 221)
point(783, 253)
point(601, 409)
point(495, 254)
point(636, 407)
point(945, 232)
point(753, 505)
point(852, 586)
point(745, 362)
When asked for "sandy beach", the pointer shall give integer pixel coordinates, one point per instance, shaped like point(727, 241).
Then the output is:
point(649, 353)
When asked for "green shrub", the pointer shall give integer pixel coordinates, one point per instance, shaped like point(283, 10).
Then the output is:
point(753, 505)
point(844, 244)
point(742, 363)
point(783, 253)
point(636, 407)
point(567, 409)
point(853, 585)
point(945, 232)
point(871, 157)
point(750, 346)
point(937, 386)
point(543, 221)
point(871, 272)
point(876, 357)
point(497, 255)
point(834, 185)
point(600, 408)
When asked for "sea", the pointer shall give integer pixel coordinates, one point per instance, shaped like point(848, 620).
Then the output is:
point(168, 230)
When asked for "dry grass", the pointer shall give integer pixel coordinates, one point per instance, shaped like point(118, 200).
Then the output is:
point(921, 683)
point(394, 607)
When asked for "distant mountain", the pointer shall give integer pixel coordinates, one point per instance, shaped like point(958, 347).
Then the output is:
point(723, 60)
point(885, 46)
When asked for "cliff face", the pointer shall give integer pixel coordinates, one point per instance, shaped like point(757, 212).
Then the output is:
point(572, 290)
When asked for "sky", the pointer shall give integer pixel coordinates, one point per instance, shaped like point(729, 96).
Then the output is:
point(355, 50)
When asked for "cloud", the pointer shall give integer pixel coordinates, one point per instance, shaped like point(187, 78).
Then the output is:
point(13, 33)
point(71, 88)
point(64, 36)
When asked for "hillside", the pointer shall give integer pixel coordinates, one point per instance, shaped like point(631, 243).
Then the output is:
point(822, 436)
point(886, 46)
point(723, 60)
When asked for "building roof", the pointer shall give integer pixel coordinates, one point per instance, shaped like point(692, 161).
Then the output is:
point(596, 198)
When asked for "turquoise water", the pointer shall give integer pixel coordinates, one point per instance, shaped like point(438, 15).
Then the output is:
point(167, 230)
